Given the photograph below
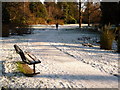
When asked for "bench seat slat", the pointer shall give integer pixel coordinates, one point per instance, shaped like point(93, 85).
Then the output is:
point(31, 56)
point(31, 59)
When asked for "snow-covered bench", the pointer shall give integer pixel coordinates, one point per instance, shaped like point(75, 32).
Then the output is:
point(27, 58)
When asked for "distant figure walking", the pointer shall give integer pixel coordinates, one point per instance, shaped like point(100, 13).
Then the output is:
point(57, 26)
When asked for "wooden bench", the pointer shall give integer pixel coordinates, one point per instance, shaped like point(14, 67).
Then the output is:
point(27, 58)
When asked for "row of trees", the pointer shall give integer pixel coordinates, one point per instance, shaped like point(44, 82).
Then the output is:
point(68, 12)
point(20, 14)
point(49, 12)
point(17, 13)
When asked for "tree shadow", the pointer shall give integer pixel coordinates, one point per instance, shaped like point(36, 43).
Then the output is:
point(2, 69)
point(80, 77)
point(96, 78)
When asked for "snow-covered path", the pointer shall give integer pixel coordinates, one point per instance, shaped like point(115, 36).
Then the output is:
point(63, 62)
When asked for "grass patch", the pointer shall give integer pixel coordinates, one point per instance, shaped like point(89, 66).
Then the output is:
point(25, 69)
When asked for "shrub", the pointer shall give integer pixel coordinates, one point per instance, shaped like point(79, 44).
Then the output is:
point(38, 21)
point(5, 30)
point(107, 37)
point(19, 29)
point(71, 20)
point(61, 22)
point(49, 20)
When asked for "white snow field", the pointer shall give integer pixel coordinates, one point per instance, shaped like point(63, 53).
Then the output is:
point(66, 63)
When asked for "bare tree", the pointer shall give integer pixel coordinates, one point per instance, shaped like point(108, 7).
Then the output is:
point(92, 12)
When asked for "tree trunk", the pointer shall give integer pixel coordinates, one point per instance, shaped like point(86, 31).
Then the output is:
point(80, 14)
point(88, 13)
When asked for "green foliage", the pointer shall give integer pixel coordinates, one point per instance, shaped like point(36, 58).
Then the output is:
point(107, 37)
point(28, 12)
point(71, 20)
point(19, 16)
point(70, 12)
point(38, 9)
point(49, 20)
point(24, 68)
point(39, 21)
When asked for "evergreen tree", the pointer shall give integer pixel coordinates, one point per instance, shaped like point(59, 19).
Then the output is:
point(19, 12)
point(5, 14)
point(70, 11)
point(38, 9)
point(110, 13)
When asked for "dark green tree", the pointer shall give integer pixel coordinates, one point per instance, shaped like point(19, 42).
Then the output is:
point(70, 11)
point(38, 9)
point(110, 13)
point(17, 15)
point(73, 12)
point(5, 14)
point(5, 20)
point(50, 6)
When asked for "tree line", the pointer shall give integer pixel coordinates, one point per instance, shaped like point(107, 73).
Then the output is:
point(18, 14)
point(47, 13)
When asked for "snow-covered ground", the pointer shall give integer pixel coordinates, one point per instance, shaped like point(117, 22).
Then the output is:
point(66, 62)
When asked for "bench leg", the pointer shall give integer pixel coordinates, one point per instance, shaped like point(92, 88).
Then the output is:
point(34, 68)
point(34, 72)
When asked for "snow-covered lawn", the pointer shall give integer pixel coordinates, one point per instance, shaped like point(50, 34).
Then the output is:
point(66, 63)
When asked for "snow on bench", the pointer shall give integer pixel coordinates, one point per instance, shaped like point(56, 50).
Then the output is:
point(27, 58)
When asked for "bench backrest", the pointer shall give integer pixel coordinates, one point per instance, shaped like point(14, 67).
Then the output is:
point(20, 52)
point(26, 57)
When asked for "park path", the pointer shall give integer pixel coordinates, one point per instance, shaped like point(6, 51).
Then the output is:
point(58, 69)
point(59, 65)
